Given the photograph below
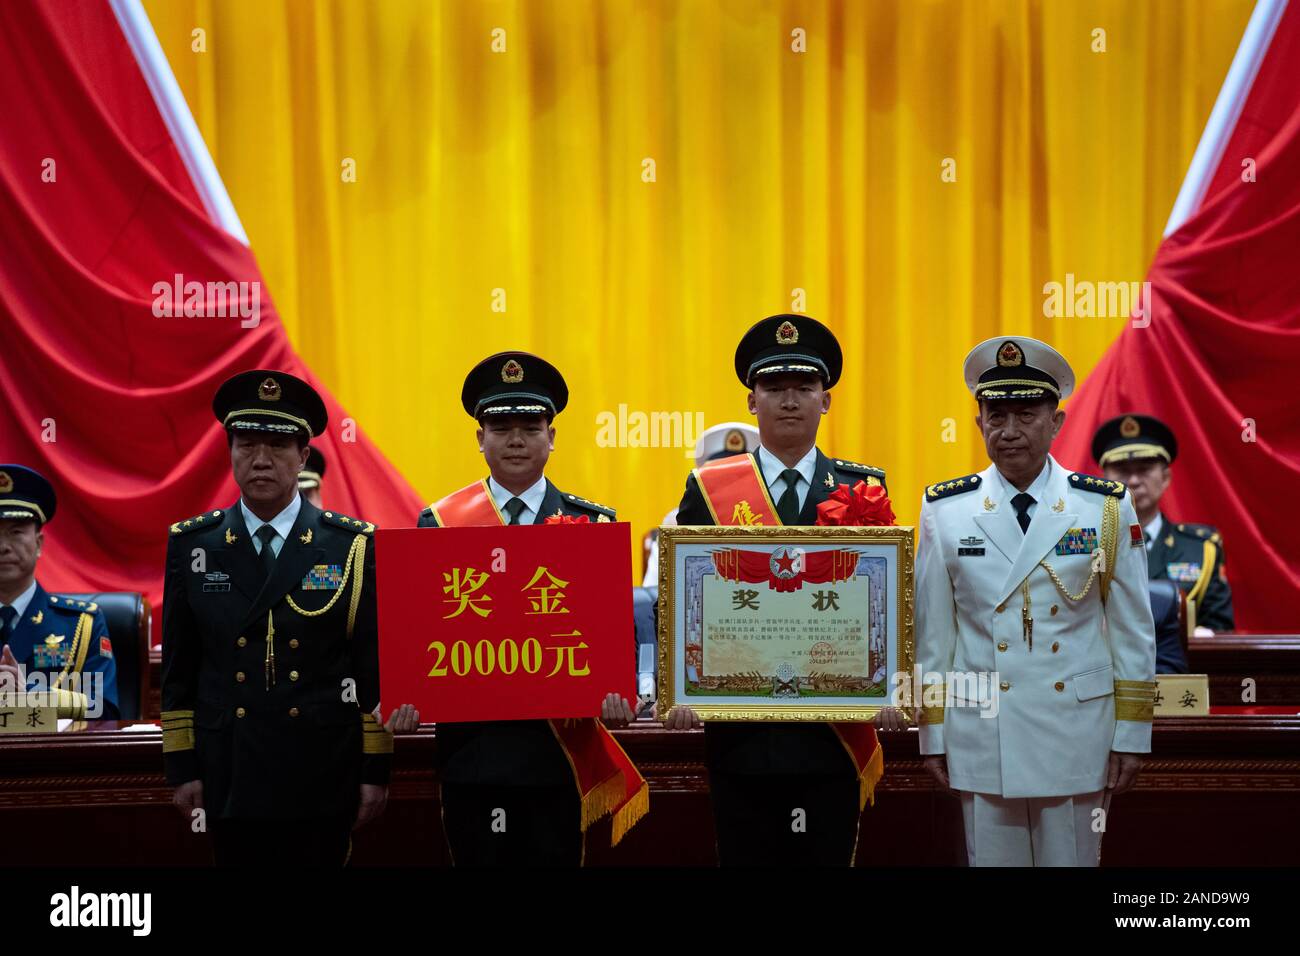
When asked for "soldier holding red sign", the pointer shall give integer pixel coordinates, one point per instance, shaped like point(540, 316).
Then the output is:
point(523, 792)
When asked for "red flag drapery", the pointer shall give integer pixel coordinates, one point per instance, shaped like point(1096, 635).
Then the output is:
point(1220, 358)
point(107, 399)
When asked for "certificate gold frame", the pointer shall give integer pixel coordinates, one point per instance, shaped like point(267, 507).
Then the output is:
point(794, 696)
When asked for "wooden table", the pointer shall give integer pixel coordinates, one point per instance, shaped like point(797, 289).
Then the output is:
point(1219, 790)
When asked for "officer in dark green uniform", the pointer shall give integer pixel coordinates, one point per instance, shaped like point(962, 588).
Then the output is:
point(1139, 450)
point(270, 672)
point(759, 772)
point(53, 646)
point(513, 765)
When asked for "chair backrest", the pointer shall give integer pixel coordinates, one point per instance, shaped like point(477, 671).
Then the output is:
point(129, 621)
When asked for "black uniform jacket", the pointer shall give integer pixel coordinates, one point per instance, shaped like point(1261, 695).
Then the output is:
point(268, 685)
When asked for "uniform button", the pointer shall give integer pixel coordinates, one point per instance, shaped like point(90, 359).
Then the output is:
point(293, 711)
point(242, 641)
point(239, 712)
point(1059, 685)
point(1055, 609)
point(293, 642)
point(239, 676)
point(1002, 645)
point(1006, 685)
point(293, 675)
point(1001, 608)
point(1055, 647)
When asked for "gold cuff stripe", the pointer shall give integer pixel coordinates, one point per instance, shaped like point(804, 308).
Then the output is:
point(1141, 711)
point(178, 739)
point(932, 715)
point(375, 739)
point(1135, 685)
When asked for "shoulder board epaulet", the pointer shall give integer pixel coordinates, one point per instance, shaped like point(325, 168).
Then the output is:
point(953, 486)
point(853, 466)
point(1102, 486)
point(602, 512)
point(1201, 531)
point(76, 606)
point(350, 524)
point(205, 520)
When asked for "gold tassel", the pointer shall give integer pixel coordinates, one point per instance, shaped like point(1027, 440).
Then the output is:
point(870, 776)
point(630, 814)
point(601, 800)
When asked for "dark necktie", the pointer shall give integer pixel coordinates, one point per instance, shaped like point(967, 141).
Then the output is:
point(8, 616)
point(266, 534)
point(514, 508)
point(788, 506)
point(1022, 502)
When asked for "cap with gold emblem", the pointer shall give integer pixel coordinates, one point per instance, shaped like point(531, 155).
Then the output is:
point(1017, 369)
point(789, 343)
point(1131, 437)
point(725, 440)
point(514, 383)
point(265, 400)
point(312, 473)
point(25, 495)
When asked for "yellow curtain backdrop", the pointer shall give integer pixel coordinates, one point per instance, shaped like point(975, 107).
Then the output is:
point(507, 146)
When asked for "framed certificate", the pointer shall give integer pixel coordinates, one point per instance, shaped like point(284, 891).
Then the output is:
point(784, 623)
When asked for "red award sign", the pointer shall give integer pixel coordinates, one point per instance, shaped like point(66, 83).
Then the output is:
point(505, 623)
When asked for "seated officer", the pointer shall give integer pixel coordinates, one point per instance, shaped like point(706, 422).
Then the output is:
point(49, 642)
point(1138, 450)
point(312, 475)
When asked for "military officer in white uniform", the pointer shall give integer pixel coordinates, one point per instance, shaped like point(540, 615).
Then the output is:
point(1033, 627)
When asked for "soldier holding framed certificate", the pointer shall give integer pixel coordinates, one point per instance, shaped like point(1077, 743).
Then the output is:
point(784, 792)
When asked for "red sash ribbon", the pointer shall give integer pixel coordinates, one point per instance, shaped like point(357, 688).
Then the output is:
point(736, 494)
point(607, 780)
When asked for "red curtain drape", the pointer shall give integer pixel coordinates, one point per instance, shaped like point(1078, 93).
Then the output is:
point(107, 400)
point(1221, 356)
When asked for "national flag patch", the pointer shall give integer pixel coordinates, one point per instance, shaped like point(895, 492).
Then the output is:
point(1135, 538)
point(105, 647)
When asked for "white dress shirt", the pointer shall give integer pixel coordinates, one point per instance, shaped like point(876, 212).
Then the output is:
point(1152, 529)
point(1036, 489)
point(282, 523)
point(532, 499)
point(20, 603)
point(773, 466)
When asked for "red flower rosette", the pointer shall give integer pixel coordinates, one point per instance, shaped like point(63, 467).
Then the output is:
point(567, 519)
point(862, 504)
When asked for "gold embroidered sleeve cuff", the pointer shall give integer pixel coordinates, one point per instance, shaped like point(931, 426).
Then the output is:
point(178, 730)
point(1135, 700)
point(932, 703)
point(375, 739)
